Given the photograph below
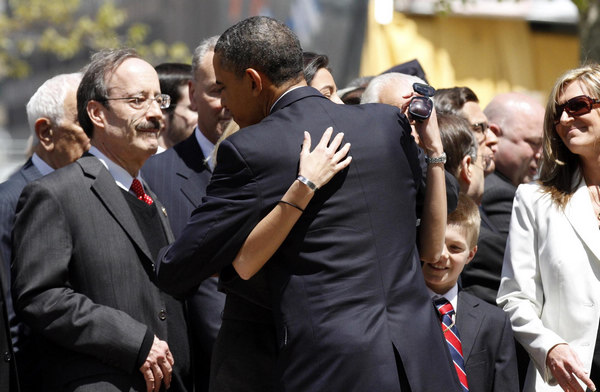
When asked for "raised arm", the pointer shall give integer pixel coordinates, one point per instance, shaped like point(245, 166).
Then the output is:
point(433, 218)
point(318, 166)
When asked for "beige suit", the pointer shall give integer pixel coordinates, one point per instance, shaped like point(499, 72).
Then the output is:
point(551, 278)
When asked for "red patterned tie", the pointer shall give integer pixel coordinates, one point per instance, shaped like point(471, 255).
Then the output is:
point(453, 339)
point(136, 187)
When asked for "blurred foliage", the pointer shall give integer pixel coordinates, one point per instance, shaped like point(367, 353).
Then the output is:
point(61, 29)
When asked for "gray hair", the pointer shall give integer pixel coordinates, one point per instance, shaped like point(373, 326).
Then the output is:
point(373, 91)
point(207, 45)
point(49, 100)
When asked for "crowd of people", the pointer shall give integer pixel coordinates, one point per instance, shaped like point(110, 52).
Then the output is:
point(240, 224)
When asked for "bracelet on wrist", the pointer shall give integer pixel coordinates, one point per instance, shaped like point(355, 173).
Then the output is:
point(433, 160)
point(291, 204)
point(313, 187)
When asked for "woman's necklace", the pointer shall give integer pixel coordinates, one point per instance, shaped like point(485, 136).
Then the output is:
point(595, 196)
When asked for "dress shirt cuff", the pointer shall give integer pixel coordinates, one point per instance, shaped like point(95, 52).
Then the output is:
point(144, 349)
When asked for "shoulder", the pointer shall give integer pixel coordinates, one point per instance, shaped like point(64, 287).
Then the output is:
point(532, 195)
point(494, 313)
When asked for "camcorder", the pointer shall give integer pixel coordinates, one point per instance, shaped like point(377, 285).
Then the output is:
point(420, 107)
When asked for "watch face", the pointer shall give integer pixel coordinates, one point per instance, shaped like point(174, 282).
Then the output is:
point(420, 108)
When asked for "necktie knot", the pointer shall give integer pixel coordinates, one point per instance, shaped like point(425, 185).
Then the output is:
point(444, 307)
point(138, 189)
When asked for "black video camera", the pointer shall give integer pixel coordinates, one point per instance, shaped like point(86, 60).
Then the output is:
point(420, 107)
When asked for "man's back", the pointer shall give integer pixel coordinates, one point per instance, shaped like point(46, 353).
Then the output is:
point(345, 283)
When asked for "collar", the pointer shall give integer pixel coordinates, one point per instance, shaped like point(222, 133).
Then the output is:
point(41, 165)
point(281, 96)
point(451, 295)
point(206, 146)
point(121, 176)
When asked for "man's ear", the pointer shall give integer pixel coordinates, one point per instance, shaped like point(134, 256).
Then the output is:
point(472, 254)
point(191, 90)
point(45, 133)
point(496, 129)
point(95, 111)
point(256, 81)
point(466, 169)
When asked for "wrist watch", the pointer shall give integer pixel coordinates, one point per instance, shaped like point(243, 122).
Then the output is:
point(439, 159)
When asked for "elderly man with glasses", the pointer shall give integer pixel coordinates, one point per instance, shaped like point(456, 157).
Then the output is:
point(85, 238)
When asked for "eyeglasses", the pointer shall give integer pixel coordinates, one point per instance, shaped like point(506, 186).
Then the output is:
point(576, 106)
point(480, 127)
point(138, 103)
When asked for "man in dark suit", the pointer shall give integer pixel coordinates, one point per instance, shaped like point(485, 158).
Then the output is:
point(179, 177)
point(85, 238)
point(57, 140)
point(351, 311)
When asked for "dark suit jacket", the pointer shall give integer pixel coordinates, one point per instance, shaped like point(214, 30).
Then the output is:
point(83, 280)
point(179, 178)
point(8, 375)
point(497, 200)
point(346, 285)
point(481, 277)
point(488, 346)
point(10, 190)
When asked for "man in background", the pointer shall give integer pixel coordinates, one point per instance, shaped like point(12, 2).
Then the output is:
point(56, 140)
point(179, 177)
point(179, 118)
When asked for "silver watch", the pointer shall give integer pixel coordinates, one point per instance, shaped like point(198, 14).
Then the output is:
point(438, 159)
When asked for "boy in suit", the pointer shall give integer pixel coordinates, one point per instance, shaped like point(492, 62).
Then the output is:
point(479, 335)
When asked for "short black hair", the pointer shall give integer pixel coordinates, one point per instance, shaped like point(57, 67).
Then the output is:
point(312, 63)
point(262, 43)
point(93, 83)
point(171, 77)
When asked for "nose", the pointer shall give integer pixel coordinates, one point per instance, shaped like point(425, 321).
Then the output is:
point(154, 110)
point(491, 140)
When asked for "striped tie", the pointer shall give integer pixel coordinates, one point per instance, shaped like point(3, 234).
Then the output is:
point(452, 338)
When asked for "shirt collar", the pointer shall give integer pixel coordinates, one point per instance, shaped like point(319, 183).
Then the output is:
point(121, 176)
point(206, 146)
point(451, 295)
point(281, 96)
point(41, 165)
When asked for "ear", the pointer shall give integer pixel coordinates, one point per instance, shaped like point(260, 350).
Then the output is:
point(466, 171)
point(95, 111)
point(191, 91)
point(45, 133)
point(256, 81)
point(471, 254)
point(496, 129)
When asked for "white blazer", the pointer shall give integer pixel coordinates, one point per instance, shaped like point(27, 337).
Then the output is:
point(550, 283)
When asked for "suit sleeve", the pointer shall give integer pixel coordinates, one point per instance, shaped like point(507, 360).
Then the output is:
point(45, 297)
point(216, 230)
point(521, 292)
point(506, 374)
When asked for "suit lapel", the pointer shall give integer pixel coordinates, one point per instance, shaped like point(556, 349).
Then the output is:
point(110, 195)
point(162, 213)
point(468, 322)
point(580, 213)
point(192, 176)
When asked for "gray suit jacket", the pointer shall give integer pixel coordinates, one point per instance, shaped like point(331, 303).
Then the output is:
point(83, 279)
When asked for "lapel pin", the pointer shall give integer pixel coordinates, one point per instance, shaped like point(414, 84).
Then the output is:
point(164, 210)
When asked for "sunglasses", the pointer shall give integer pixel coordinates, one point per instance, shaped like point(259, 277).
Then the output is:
point(576, 106)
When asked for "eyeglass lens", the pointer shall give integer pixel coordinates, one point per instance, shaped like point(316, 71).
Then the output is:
point(577, 106)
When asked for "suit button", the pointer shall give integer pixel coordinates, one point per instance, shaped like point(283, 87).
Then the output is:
point(162, 314)
point(7, 357)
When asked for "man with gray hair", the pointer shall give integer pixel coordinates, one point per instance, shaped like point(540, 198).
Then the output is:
point(85, 238)
point(57, 140)
point(179, 177)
